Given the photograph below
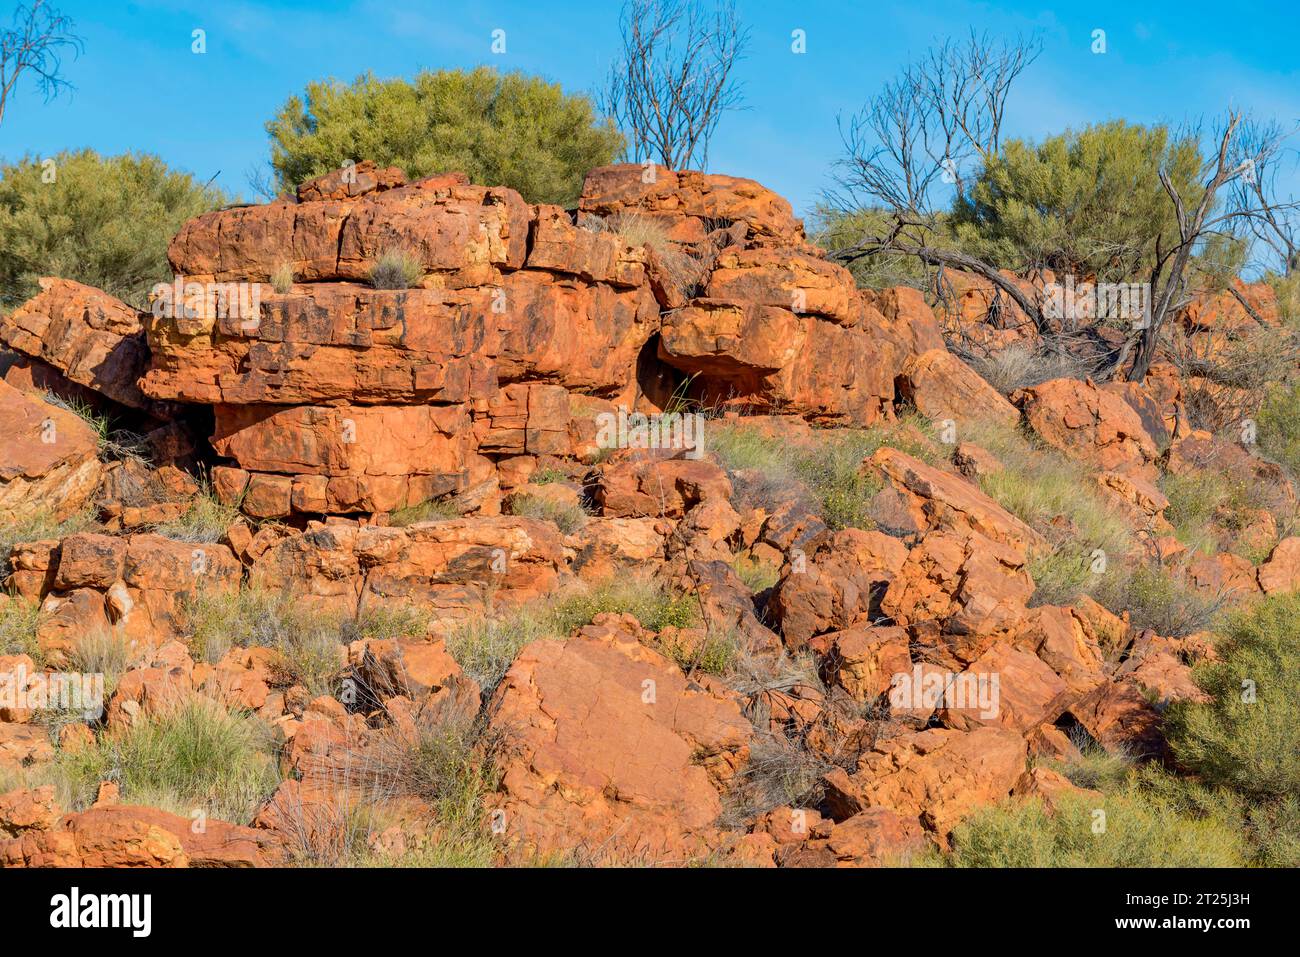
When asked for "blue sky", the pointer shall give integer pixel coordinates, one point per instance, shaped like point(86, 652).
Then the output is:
point(139, 86)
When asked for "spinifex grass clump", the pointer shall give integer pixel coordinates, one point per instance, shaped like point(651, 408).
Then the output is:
point(396, 269)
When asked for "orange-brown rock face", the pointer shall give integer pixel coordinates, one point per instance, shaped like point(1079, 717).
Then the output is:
point(327, 342)
point(457, 568)
point(90, 337)
point(90, 584)
point(689, 202)
point(612, 752)
point(904, 663)
point(124, 836)
point(1090, 424)
point(761, 358)
point(448, 225)
point(934, 499)
point(943, 387)
point(48, 458)
point(836, 584)
point(936, 776)
point(522, 316)
point(958, 595)
point(1235, 309)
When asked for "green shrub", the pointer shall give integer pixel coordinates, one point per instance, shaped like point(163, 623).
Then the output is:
point(1249, 746)
point(1061, 574)
point(548, 476)
point(105, 221)
point(1139, 831)
point(1270, 828)
point(835, 230)
point(500, 129)
point(1278, 428)
point(1087, 202)
point(1207, 506)
point(396, 269)
point(714, 654)
point(1287, 289)
point(1161, 599)
point(757, 576)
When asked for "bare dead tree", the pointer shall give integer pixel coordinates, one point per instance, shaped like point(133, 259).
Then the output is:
point(674, 78)
point(917, 137)
point(36, 42)
point(1265, 218)
point(1235, 156)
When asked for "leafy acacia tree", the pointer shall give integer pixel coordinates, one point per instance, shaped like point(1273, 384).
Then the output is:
point(1088, 202)
point(499, 129)
point(105, 221)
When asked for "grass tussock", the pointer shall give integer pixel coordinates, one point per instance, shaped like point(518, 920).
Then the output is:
point(310, 641)
point(1160, 598)
point(42, 525)
point(1207, 507)
point(105, 653)
point(396, 269)
point(204, 522)
point(713, 653)
point(1040, 487)
point(825, 471)
point(18, 628)
point(430, 511)
point(756, 575)
point(282, 278)
point(1021, 366)
point(485, 648)
point(113, 442)
point(1058, 498)
point(568, 518)
point(680, 268)
point(779, 773)
point(1095, 767)
point(196, 758)
point(442, 770)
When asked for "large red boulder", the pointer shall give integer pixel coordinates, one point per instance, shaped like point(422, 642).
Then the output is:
point(1091, 424)
point(90, 337)
point(48, 458)
point(612, 750)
